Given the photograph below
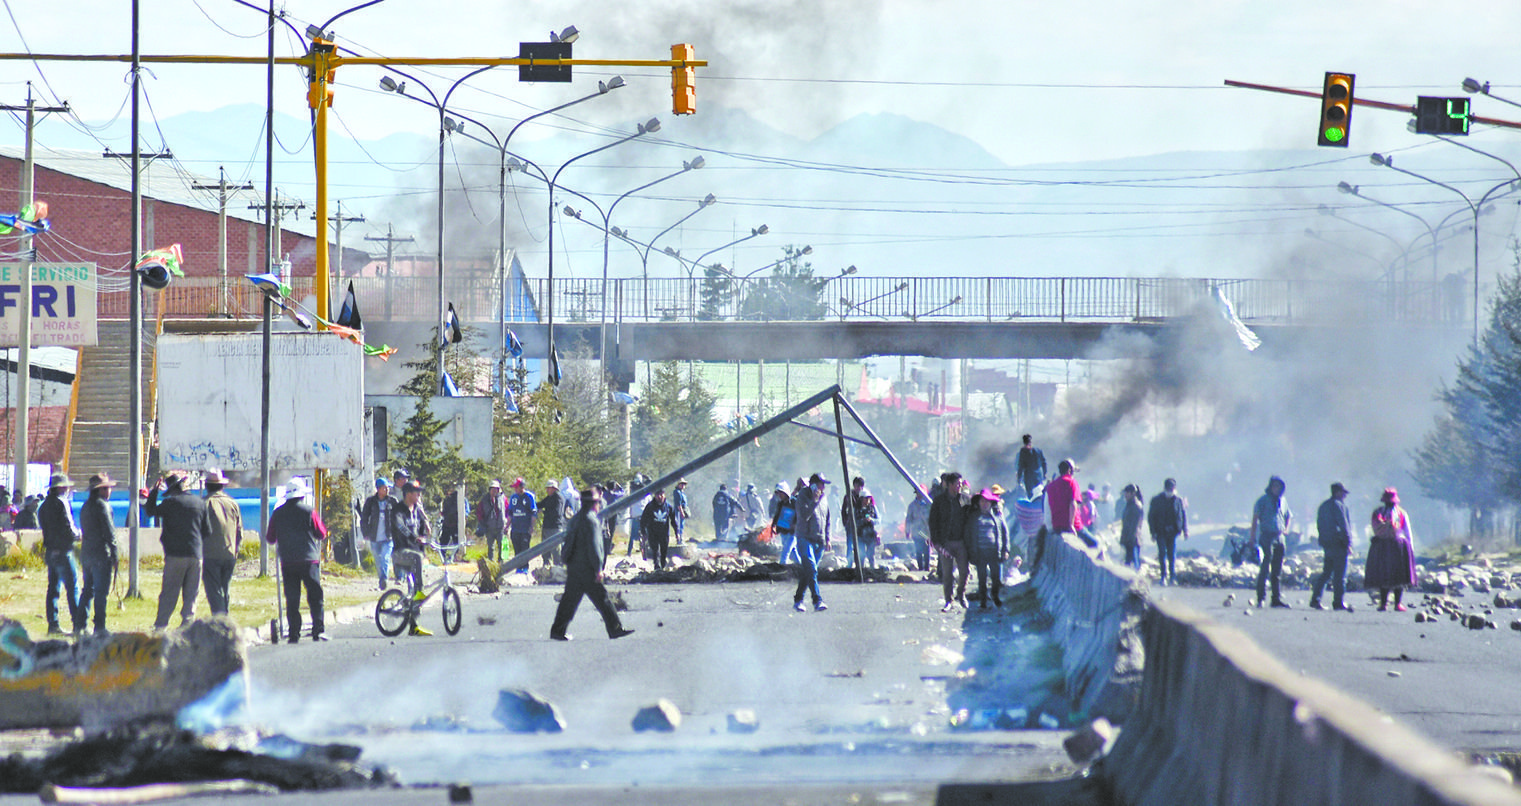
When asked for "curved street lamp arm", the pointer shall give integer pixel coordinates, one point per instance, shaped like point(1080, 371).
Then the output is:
point(679, 222)
point(346, 12)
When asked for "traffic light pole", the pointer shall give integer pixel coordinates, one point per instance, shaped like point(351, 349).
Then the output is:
point(322, 59)
point(1408, 109)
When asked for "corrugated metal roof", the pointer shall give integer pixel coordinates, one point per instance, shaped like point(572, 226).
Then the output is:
point(164, 180)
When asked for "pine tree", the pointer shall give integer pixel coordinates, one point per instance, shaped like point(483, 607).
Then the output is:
point(674, 422)
point(792, 293)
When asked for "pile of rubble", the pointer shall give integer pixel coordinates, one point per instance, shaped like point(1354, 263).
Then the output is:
point(689, 563)
point(1474, 575)
point(156, 752)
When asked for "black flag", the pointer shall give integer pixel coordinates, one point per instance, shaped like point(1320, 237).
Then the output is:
point(348, 315)
point(450, 333)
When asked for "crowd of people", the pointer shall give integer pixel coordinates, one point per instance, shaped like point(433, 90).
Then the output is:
point(947, 525)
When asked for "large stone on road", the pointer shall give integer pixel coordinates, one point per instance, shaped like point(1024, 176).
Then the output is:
point(98, 682)
point(522, 711)
point(663, 716)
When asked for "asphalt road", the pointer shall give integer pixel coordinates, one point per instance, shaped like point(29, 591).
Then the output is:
point(859, 697)
point(1457, 686)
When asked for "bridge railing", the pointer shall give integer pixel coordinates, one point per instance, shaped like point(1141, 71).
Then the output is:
point(850, 298)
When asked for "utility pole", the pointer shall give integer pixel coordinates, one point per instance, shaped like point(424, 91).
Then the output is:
point(21, 411)
point(338, 221)
point(279, 209)
point(390, 240)
point(224, 304)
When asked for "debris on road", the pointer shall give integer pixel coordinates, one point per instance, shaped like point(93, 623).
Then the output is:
point(100, 681)
point(522, 711)
point(663, 716)
point(156, 752)
point(743, 720)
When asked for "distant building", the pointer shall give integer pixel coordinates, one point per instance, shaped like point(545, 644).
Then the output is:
point(89, 201)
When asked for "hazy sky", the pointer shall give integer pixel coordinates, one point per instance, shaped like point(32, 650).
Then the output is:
point(1033, 82)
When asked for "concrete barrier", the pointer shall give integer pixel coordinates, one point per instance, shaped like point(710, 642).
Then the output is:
point(1096, 609)
point(1221, 721)
point(99, 682)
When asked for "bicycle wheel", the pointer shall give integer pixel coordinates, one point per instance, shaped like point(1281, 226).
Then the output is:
point(393, 612)
point(452, 612)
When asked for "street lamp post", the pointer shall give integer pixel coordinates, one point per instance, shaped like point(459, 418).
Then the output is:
point(1471, 85)
point(1357, 191)
point(607, 222)
point(651, 125)
point(400, 88)
point(1388, 162)
point(501, 144)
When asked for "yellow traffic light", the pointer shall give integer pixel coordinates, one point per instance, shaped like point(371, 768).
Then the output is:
point(1336, 110)
point(683, 81)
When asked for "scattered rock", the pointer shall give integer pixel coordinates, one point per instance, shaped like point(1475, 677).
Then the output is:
point(1393, 673)
point(1420, 617)
point(1475, 621)
point(1516, 625)
point(663, 716)
point(743, 720)
point(1090, 742)
point(486, 621)
point(522, 711)
point(461, 793)
point(1230, 599)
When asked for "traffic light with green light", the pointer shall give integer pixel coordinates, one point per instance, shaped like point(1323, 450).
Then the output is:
point(683, 81)
point(1336, 110)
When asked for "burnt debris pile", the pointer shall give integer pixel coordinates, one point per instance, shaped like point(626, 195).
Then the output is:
point(157, 752)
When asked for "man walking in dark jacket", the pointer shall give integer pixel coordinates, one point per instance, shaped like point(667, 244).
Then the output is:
point(297, 531)
point(812, 509)
point(1334, 523)
point(583, 571)
point(97, 549)
point(1167, 518)
point(185, 526)
point(58, 535)
point(947, 525)
point(375, 525)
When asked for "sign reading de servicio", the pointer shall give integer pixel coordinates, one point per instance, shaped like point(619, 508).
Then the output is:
point(62, 304)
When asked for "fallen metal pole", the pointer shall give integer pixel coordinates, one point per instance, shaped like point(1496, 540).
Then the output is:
point(767, 426)
point(893, 460)
point(833, 434)
point(850, 497)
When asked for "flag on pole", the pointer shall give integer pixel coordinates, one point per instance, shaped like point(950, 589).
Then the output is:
point(509, 403)
point(624, 398)
point(514, 346)
point(554, 367)
point(450, 333)
point(1248, 339)
point(348, 315)
point(447, 387)
point(169, 257)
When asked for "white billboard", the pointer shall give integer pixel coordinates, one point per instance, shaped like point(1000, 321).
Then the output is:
point(208, 402)
point(63, 304)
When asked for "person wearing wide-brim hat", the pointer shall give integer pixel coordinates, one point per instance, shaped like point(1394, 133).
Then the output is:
point(185, 526)
point(56, 519)
point(220, 552)
point(97, 548)
point(1391, 552)
point(584, 556)
point(297, 531)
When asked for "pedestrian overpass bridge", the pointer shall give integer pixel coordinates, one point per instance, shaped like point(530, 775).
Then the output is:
point(851, 317)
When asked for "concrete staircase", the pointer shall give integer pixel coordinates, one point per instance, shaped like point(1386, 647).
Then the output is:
point(100, 434)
